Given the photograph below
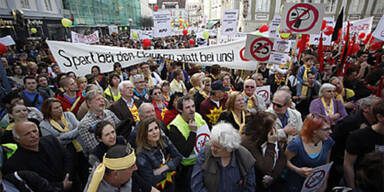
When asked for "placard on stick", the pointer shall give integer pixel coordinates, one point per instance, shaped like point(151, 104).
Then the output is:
point(302, 18)
point(258, 48)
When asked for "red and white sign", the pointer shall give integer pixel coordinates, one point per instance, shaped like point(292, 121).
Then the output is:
point(258, 48)
point(359, 26)
point(302, 18)
point(264, 92)
point(202, 138)
point(80, 38)
point(314, 39)
point(379, 32)
point(316, 180)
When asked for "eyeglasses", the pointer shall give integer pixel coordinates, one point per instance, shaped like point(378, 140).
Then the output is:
point(248, 86)
point(326, 129)
point(278, 105)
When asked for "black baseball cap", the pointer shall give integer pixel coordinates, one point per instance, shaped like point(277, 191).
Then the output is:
point(218, 86)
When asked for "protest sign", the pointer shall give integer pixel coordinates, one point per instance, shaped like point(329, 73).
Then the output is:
point(281, 45)
point(327, 39)
point(258, 48)
point(359, 26)
point(302, 18)
point(80, 38)
point(264, 92)
point(162, 23)
point(113, 29)
point(273, 33)
point(229, 24)
point(202, 137)
point(80, 58)
point(278, 58)
point(316, 180)
point(7, 40)
point(379, 32)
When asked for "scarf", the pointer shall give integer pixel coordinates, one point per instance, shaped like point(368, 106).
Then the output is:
point(150, 81)
point(304, 89)
point(239, 122)
point(250, 103)
point(58, 127)
point(135, 112)
point(340, 96)
point(279, 81)
point(328, 109)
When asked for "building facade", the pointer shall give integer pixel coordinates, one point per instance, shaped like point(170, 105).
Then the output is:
point(43, 15)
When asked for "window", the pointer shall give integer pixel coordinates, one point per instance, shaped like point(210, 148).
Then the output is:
point(355, 7)
point(48, 5)
point(3, 4)
point(25, 4)
point(262, 5)
point(330, 6)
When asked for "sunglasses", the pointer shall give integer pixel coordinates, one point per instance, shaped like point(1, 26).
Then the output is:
point(278, 105)
point(326, 129)
point(247, 87)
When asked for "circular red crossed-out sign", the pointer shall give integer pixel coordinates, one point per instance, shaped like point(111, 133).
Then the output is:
point(315, 179)
point(307, 8)
point(261, 48)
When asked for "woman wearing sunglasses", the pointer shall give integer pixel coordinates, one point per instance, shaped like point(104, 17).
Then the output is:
point(158, 102)
point(310, 149)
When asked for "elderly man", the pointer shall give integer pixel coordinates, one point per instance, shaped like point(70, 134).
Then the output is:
point(224, 165)
point(182, 132)
point(289, 121)
point(44, 156)
point(115, 172)
point(96, 113)
point(140, 91)
point(212, 107)
point(254, 102)
point(71, 99)
point(126, 107)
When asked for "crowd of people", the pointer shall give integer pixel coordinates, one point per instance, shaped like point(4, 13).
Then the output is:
point(166, 125)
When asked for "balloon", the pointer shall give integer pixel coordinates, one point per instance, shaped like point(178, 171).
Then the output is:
point(206, 34)
point(33, 30)
point(185, 32)
point(361, 35)
point(146, 42)
point(186, 44)
point(323, 25)
point(328, 30)
point(377, 45)
point(3, 49)
point(264, 28)
point(191, 42)
point(135, 35)
point(125, 28)
point(285, 35)
point(66, 22)
point(156, 8)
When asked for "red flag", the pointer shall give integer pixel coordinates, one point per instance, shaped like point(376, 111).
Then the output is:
point(344, 53)
point(379, 88)
point(320, 53)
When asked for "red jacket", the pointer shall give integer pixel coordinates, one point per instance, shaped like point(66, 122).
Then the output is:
point(210, 111)
point(67, 106)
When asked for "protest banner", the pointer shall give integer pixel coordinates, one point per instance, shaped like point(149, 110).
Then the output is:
point(302, 18)
point(229, 23)
point(273, 33)
point(162, 23)
point(113, 29)
point(264, 92)
point(316, 180)
point(80, 58)
point(258, 48)
point(7, 40)
point(80, 38)
point(379, 32)
point(359, 26)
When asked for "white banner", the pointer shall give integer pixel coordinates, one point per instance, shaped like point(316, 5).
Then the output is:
point(80, 38)
point(80, 58)
point(281, 45)
point(7, 40)
point(264, 92)
point(229, 24)
point(273, 33)
point(379, 32)
point(113, 29)
point(316, 180)
point(359, 26)
point(162, 24)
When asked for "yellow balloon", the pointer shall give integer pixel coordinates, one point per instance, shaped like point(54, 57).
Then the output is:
point(206, 34)
point(125, 28)
point(66, 22)
point(135, 35)
point(33, 30)
point(285, 35)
